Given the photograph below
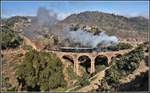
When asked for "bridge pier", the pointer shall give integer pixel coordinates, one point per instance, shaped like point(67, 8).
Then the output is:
point(109, 60)
point(92, 66)
point(76, 66)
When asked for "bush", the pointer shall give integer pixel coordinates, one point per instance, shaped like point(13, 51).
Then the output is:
point(11, 21)
point(122, 67)
point(10, 39)
point(27, 47)
point(104, 86)
point(71, 73)
point(5, 83)
point(74, 27)
point(83, 81)
point(40, 71)
point(120, 46)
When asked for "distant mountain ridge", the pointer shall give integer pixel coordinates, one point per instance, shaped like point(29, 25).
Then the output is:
point(108, 22)
point(124, 28)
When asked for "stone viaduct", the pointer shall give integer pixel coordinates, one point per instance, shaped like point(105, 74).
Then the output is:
point(92, 55)
point(75, 55)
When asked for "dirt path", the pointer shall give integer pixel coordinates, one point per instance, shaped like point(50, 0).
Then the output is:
point(93, 83)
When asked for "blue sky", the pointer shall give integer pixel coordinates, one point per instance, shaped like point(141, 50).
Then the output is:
point(64, 9)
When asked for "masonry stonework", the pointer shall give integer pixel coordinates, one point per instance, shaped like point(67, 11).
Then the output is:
point(92, 56)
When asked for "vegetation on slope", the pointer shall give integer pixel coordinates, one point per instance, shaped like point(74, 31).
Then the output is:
point(108, 22)
point(120, 68)
point(140, 83)
point(72, 75)
point(140, 23)
point(83, 81)
point(5, 85)
point(40, 71)
point(120, 46)
point(10, 39)
point(11, 21)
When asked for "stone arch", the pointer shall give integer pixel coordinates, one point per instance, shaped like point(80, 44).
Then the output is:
point(85, 61)
point(68, 58)
point(84, 58)
point(101, 60)
point(118, 55)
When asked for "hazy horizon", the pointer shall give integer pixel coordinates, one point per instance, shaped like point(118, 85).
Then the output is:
point(64, 9)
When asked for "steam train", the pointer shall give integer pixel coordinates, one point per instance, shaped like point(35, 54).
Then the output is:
point(77, 49)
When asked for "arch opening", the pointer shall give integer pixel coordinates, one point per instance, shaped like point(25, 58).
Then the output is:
point(118, 55)
point(85, 62)
point(101, 60)
point(68, 58)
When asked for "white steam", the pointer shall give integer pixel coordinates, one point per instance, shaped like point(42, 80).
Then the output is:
point(88, 39)
point(46, 17)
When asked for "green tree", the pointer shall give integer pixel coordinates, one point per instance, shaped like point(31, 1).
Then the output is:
point(40, 71)
point(122, 67)
point(120, 46)
point(11, 21)
point(84, 80)
point(9, 38)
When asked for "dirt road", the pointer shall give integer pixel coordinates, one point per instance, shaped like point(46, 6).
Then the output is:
point(93, 83)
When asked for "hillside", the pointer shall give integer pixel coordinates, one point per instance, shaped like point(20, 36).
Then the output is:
point(140, 23)
point(28, 67)
point(113, 24)
point(108, 21)
point(130, 30)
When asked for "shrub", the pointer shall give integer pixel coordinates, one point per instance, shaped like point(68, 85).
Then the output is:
point(40, 71)
point(74, 27)
point(83, 81)
point(27, 47)
point(122, 67)
point(120, 46)
point(4, 83)
point(11, 21)
point(10, 39)
point(71, 73)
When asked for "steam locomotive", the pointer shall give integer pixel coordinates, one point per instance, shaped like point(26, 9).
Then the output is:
point(77, 49)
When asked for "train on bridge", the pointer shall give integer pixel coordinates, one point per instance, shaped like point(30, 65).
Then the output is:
point(79, 49)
